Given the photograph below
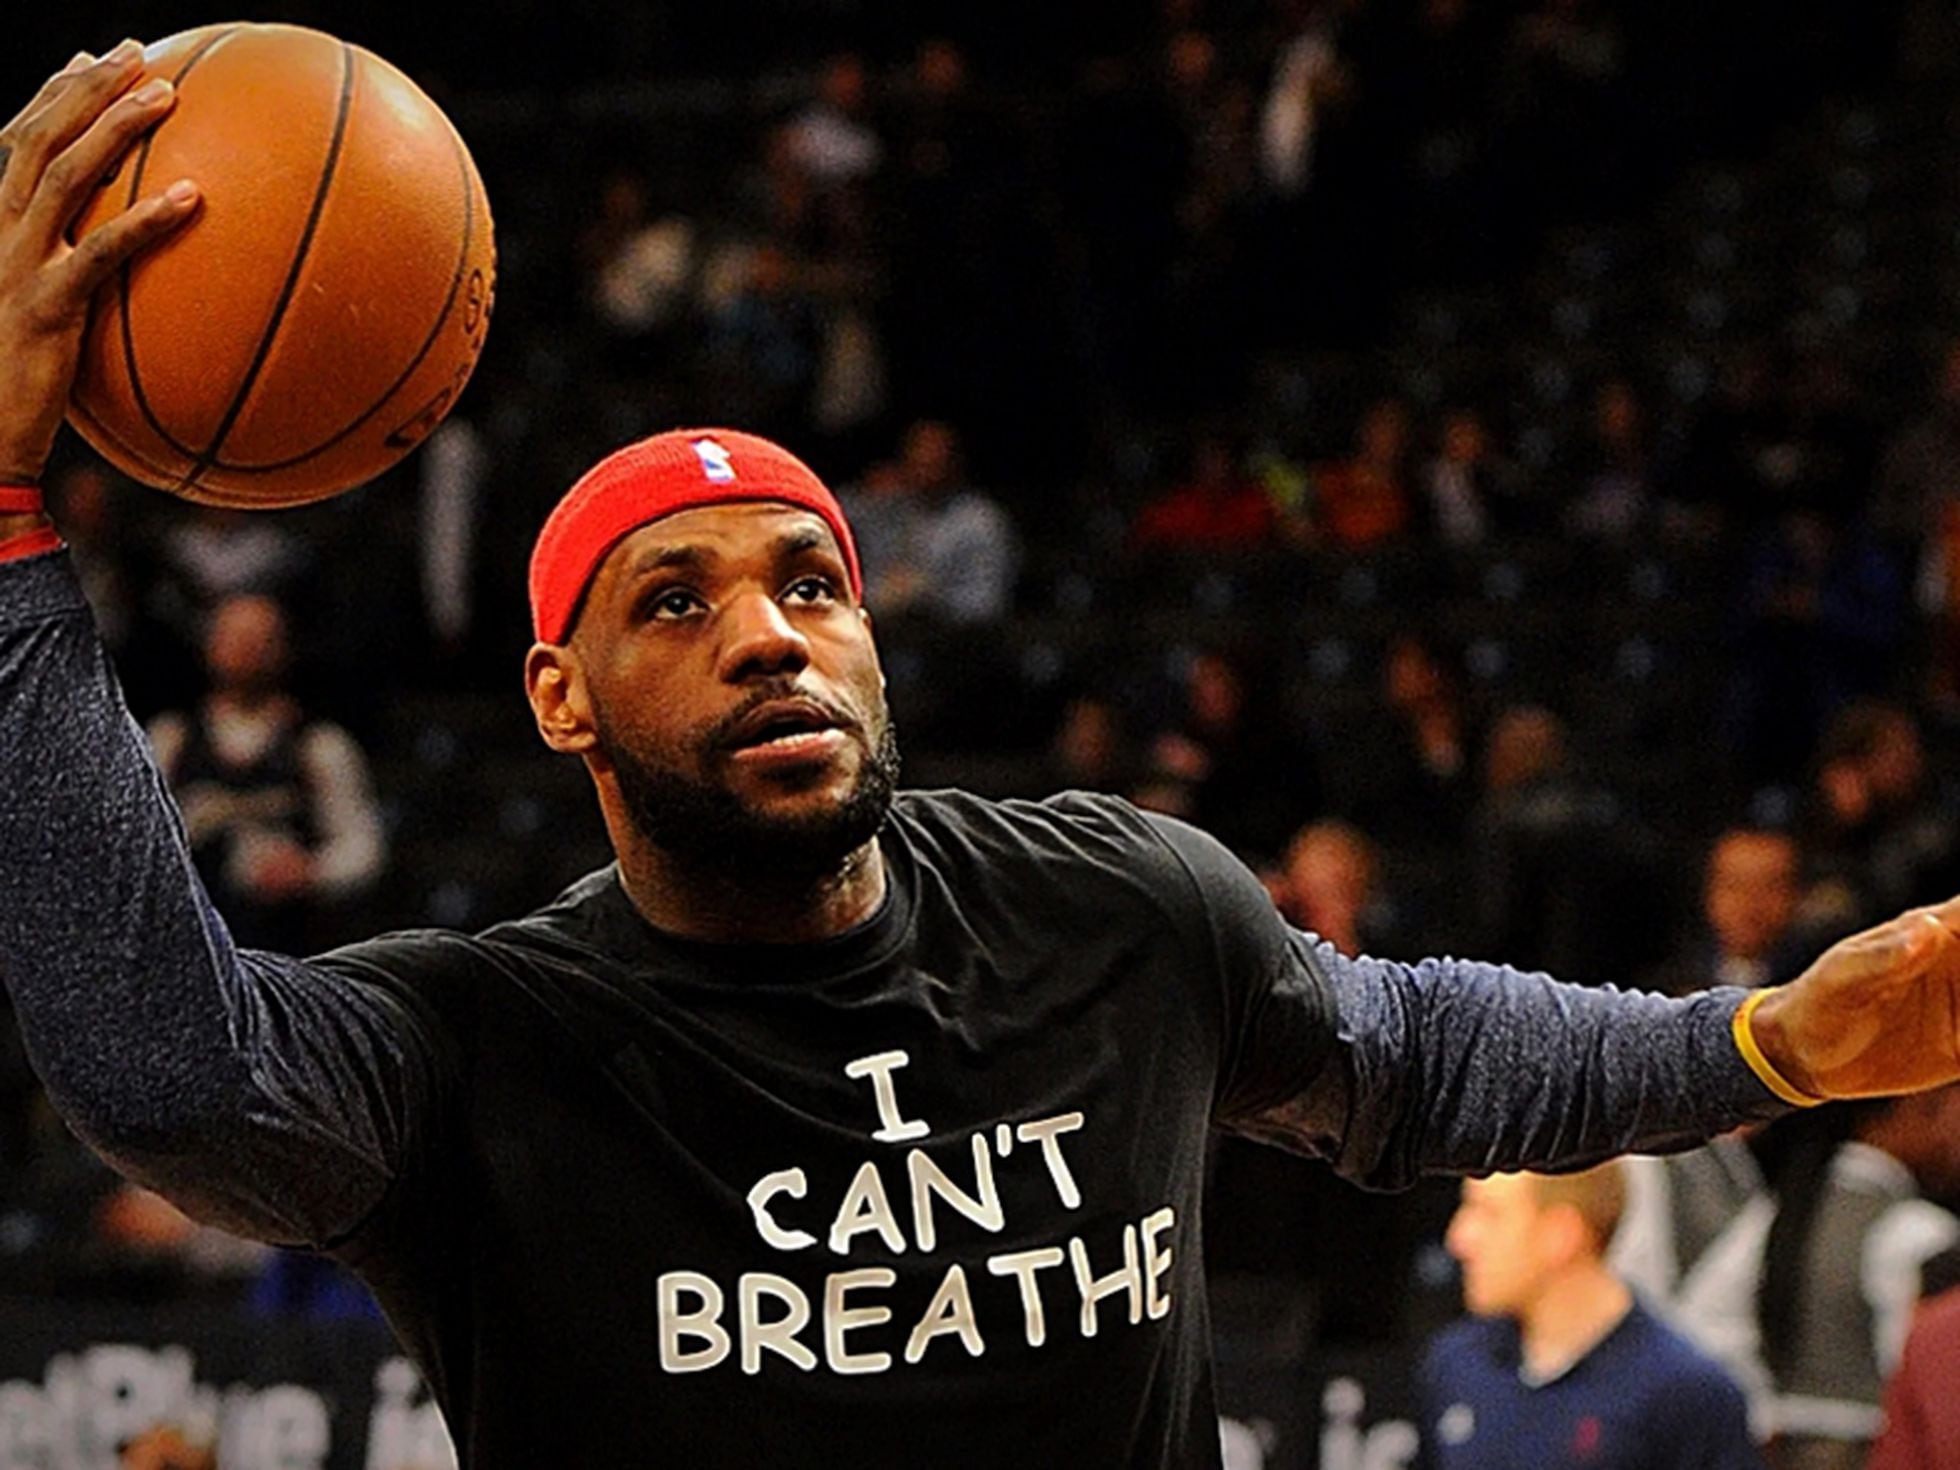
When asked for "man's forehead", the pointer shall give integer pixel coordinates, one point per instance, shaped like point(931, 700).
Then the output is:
point(732, 528)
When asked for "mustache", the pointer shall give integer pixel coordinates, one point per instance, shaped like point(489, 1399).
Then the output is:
point(723, 734)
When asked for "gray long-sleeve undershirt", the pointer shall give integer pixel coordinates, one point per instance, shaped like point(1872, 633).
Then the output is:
point(279, 1097)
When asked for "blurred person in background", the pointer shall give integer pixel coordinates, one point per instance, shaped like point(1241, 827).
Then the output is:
point(214, 553)
point(1365, 500)
point(1421, 783)
point(834, 139)
point(1809, 1294)
point(1919, 467)
point(1613, 499)
point(1471, 492)
point(1823, 616)
point(1922, 1411)
point(1916, 510)
point(1752, 883)
point(1880, 825)
point(278, 805)
point(1558, 1363)
point(1563, 873)
point(639, 268)
point(933, 545)
point(1327, 886)
point(1090, 749)
point(1217, 507)
point(1681, 1204)
point(1244, 778)
point(1678, 1206)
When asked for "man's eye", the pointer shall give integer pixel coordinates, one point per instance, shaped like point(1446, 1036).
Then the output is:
point(673, 603)
point(812, 589)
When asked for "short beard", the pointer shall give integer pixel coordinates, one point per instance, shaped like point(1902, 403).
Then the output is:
point(709, 829)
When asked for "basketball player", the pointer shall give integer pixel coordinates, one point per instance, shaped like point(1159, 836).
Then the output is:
point(829, 1126)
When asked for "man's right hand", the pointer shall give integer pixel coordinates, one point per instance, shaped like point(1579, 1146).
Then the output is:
point(52, 157)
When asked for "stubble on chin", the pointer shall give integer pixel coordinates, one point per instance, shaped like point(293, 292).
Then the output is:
point(705, 823)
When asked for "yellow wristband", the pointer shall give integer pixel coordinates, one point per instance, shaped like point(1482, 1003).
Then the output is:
point(1745, 1042)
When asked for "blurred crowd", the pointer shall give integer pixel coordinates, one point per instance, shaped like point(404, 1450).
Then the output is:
point(1095, 320)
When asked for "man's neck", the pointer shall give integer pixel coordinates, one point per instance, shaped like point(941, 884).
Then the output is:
point(1571, 1317)
point(727, 908)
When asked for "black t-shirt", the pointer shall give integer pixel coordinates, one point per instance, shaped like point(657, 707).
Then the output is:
point(567, 1145)
point(927, 1193)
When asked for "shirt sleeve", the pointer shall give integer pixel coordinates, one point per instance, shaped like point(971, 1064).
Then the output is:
point(275, 1097)
point(1393, 1070)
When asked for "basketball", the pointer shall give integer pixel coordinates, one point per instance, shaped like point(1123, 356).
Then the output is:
point(319, 315)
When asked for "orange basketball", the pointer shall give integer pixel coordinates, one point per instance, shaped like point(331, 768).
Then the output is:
point(321, 311)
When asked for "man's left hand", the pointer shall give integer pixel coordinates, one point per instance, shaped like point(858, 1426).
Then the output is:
point(1877, 1014)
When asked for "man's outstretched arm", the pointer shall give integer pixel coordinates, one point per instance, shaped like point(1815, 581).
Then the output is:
point(258, 1092)
point(1452, 1066)
point(270, 1096)
point(1392, 1070)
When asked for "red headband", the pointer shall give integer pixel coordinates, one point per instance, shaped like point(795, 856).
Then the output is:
point(654, 478)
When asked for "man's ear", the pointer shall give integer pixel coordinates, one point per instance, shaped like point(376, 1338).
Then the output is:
point(555, 682)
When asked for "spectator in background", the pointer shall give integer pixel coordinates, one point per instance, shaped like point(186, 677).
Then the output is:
point(278, 806)
point(1089, 750)
point(1678, 1207)
point(210, 554)
point(764, 340)
point(1919, 468)
point(1917, 512)
point(1922, 1412)
point(1419, 788)
point(1470, 491)
point(1227, 762)
point(638, 268)
point(451, 471)
point(1560, 127)
point(1751, 886)
point(931, 545)
point(1218, 508)
point(1564, 878)
point(833, 138)
point(1559, 1364)
point(84, 494)
point(1364, 501)
point(1809, 1294)
point(1881, 830)
point(1615, 493)
point(1326, 885)
point(1823, 615)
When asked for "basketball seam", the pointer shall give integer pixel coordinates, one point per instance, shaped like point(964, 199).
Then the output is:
point(120, 445)
point(123, 272)
point(209, 457)
point(428, 345)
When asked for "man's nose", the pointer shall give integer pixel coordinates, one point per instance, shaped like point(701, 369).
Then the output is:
point(758, 639)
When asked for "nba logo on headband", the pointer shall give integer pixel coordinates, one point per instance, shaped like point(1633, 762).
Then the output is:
point(714, 461)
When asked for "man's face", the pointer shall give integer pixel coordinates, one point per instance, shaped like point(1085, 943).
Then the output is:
point(1752, 892)
point(245, 646)
point(735, 691)
point(1496, 1237)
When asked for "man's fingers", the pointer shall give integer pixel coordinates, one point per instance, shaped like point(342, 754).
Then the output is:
point(72, 177)
point(1945, 914)
point(112, 242)
point(1899, 949)
point(50, 89)
point(37, 137)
